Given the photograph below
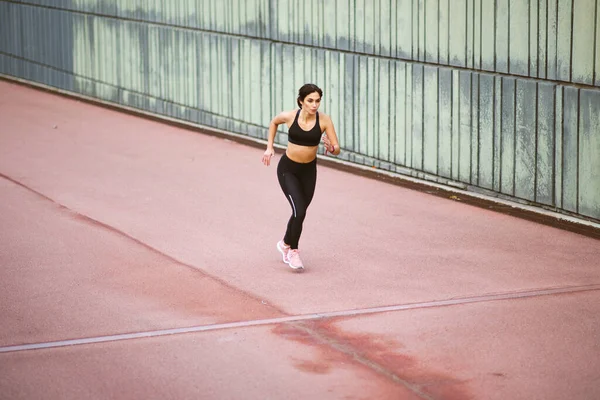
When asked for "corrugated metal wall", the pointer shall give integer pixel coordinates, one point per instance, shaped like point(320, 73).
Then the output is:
point(499, 95)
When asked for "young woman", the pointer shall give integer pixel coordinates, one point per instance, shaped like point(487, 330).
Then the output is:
point(297, 168)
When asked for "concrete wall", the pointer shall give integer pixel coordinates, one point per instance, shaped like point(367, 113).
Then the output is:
point(500, 96)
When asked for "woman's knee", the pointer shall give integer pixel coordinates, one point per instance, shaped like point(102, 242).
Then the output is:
point(300, 213)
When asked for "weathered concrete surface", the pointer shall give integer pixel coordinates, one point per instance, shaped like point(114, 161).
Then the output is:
point(113, 224)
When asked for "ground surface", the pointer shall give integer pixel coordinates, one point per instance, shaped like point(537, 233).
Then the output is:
point(138, 260)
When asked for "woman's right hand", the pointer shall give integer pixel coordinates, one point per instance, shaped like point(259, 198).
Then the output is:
point(269, 153)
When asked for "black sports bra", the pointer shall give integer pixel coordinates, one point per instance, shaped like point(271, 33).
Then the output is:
point(301, 137)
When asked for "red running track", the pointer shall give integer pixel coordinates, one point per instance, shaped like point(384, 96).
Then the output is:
point(138, 260)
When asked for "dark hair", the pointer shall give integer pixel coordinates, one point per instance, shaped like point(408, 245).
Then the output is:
point(305, 90)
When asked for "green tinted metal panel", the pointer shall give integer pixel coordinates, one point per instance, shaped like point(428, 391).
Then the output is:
point(558, 154)
point(444, 117)
point(485, 176)
point(475, 128)
point(361, 105)
point(563, 40)
point(545, 144)
point(552, 44)
point(465, 127)
point(497, 145)
point(534, 38)
point(502, 35)
point(383, 111)
point(431, 30)
point(234, 64)
point(419, 39)
point(360, 28)
point(404, 33)
point(519, 32)
point(458, 33)
point(383, 28)
point(488, 32)
point(455, 122)
point(372, 98)
point(584, 44)
point(409, 98)
point(430, 119)
point(444, 31)
point(542, 35)
point(509, 99)
point(589, 150)
point(477, 34)
point(417, 116)
point(346, 100)
point(400, 114)
point(570, 149)
point(525, 139)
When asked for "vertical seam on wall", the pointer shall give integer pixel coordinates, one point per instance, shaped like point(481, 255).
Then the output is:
point(554, 149)
point(495, 34)
point(595, 43)
point(21, 12)
point(438, 34)
point(423, 117)
point(529, 37)
point(556, 43)
point(437, 136)
point(500, 133)
point(471, 116)
point(537, 61)
point(562, 152)
point(448, 38)
point(459, 127)
point(478, 127)
point(547, 53)
point(494, 163)
point(412, 31)
point(419, 32)
point(451, 124)
point(393, 52)
point(473, 35)
point(508, 31)
point(379, 52)
point(514, 168)
point(578, 155)
point(392, 154)
point(571, 43)
point(357, 86)
point(406, 130)
point(480, 35)
point(389, 113)
point(535, 164)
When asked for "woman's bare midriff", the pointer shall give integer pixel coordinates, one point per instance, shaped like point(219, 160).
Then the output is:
point(301, 154)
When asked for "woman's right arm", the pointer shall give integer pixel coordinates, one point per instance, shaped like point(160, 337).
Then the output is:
point(279, 119)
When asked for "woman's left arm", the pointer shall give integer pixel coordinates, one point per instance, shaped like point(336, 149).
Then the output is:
point(330, 138)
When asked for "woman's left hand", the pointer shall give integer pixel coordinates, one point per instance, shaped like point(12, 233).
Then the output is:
point(328, 146)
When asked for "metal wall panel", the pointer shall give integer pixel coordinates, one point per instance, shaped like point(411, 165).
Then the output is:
point(499, 95)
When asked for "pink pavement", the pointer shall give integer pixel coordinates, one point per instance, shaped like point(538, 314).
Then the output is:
point(112, 223)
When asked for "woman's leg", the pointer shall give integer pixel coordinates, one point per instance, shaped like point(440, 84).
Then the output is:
point(292, 188)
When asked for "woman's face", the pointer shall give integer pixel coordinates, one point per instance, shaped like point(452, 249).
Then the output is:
point(311, 103)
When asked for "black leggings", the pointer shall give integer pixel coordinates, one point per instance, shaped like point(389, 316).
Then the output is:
point(298, 181)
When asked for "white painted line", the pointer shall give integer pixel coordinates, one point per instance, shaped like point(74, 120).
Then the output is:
point(297, 318)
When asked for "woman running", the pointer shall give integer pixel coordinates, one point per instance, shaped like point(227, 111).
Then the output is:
point(297, 168)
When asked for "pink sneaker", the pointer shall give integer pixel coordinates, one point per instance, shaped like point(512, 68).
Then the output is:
point(284, 249)
point(295, 261)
